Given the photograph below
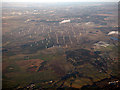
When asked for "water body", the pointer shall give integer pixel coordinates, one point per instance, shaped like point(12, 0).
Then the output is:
point(114, 38)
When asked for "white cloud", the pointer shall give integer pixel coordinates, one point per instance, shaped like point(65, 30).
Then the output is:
point(113, 32)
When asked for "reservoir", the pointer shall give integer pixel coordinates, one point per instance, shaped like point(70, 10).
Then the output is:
point(114, 38)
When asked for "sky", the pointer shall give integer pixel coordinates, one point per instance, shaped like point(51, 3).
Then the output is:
point(59, 0)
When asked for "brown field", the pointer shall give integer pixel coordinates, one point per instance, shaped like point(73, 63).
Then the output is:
point(105, 14)
point(30, 64)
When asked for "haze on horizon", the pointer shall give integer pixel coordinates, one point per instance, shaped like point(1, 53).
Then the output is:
point(49, 1)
